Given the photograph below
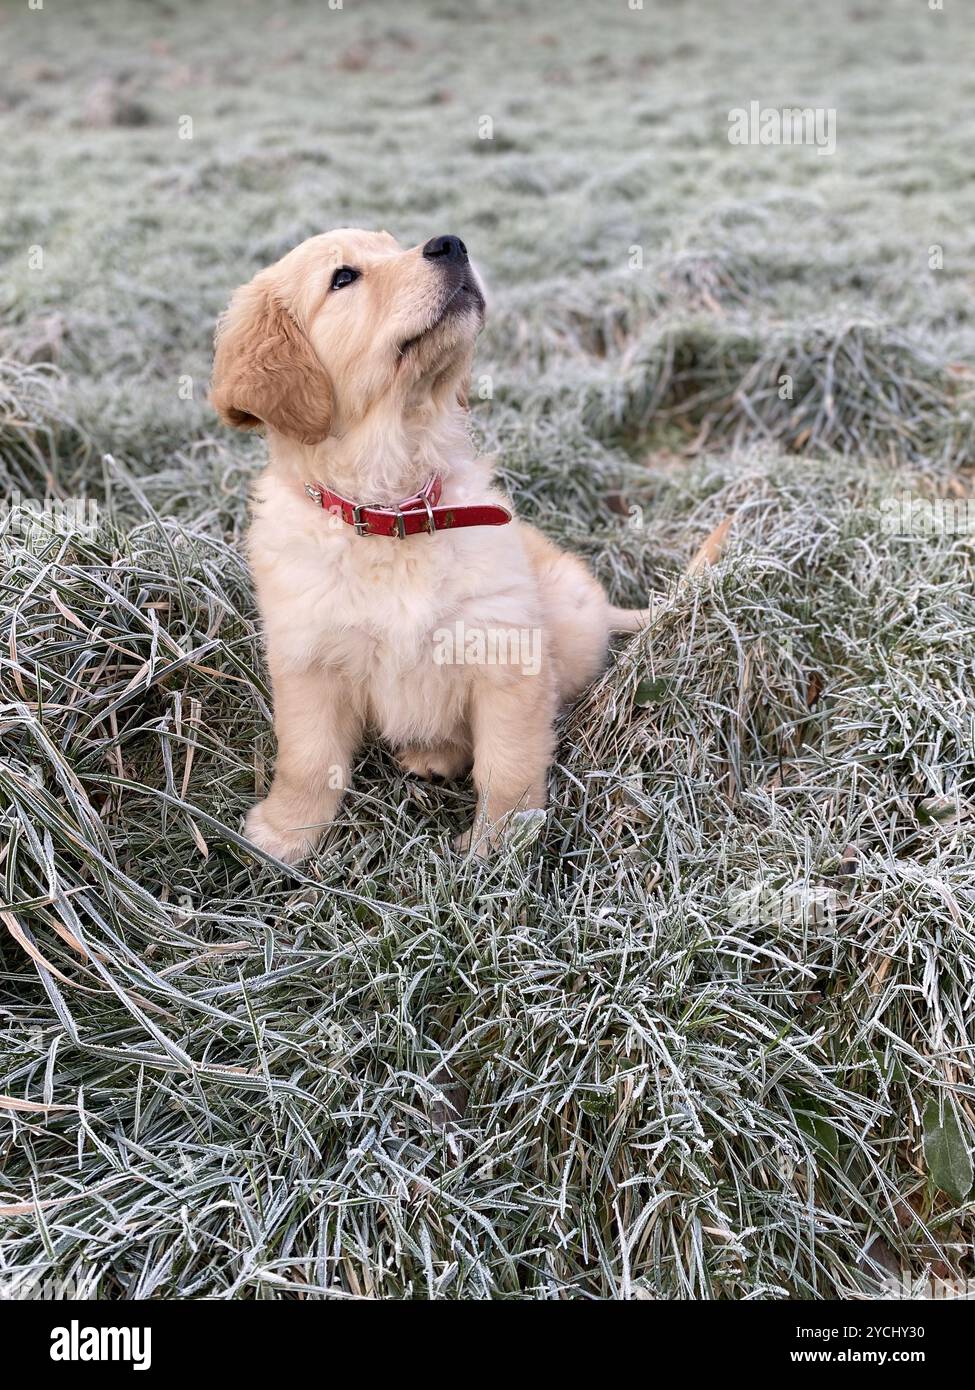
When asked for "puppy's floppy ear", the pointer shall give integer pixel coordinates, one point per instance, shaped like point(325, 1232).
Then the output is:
point(265, 371)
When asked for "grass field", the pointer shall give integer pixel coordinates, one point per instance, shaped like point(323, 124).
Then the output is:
point(706, 1032)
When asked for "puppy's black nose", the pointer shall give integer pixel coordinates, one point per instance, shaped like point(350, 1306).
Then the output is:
point(450, 248)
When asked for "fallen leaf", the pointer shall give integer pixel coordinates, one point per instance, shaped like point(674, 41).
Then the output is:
point(946, 1151)
point(710, 552)
point(651, 692)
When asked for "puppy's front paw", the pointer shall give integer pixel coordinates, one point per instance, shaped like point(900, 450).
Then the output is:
point(476, 841)
point(290, 846)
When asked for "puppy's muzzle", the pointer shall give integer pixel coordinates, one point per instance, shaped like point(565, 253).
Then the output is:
point(448, 255)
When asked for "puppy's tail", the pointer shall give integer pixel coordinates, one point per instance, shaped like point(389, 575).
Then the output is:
point(629, 619)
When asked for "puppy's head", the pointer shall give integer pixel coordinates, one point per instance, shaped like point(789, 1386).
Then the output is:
point(346, 323)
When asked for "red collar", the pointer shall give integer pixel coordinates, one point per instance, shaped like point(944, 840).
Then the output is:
point(411, 515)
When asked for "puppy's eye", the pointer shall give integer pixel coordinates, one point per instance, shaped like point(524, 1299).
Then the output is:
point(343, 276)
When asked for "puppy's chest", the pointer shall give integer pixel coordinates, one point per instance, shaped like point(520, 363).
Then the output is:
point(366, 599)
point(373, 606)
point(390, 589)
point(388, 611)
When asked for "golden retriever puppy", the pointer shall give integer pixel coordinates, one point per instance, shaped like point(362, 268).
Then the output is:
point(398, 593)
